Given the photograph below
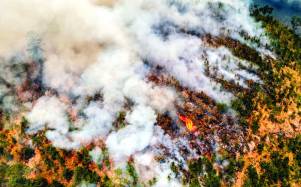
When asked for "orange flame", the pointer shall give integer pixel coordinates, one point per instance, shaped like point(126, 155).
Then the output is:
point(188, 122)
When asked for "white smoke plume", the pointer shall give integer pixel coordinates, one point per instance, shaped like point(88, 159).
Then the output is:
point(161, 172)
point(108, 48)
point(96, 155)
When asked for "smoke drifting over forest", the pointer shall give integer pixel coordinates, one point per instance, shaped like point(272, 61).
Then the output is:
point(73, 67)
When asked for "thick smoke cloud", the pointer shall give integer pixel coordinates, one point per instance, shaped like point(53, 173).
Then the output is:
point(108, 48)
point(135, 136)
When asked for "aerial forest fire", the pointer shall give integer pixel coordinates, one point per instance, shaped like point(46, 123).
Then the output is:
point(163, 93)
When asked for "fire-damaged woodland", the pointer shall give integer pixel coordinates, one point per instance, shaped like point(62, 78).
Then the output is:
point(148, 93)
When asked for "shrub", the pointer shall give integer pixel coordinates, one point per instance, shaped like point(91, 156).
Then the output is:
point(27, 153)
point(67, 174)
point(132, 172)
point(84, 174)
point(222, 108)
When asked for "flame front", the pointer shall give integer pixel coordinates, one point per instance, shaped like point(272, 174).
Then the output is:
point(188, 122)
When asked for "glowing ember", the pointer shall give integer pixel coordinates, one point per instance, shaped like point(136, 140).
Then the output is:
point(188, 122)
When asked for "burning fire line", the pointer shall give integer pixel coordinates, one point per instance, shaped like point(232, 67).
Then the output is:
point(188, 122)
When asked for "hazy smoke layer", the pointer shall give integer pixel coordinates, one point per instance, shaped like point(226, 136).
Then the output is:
point(96, 57)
